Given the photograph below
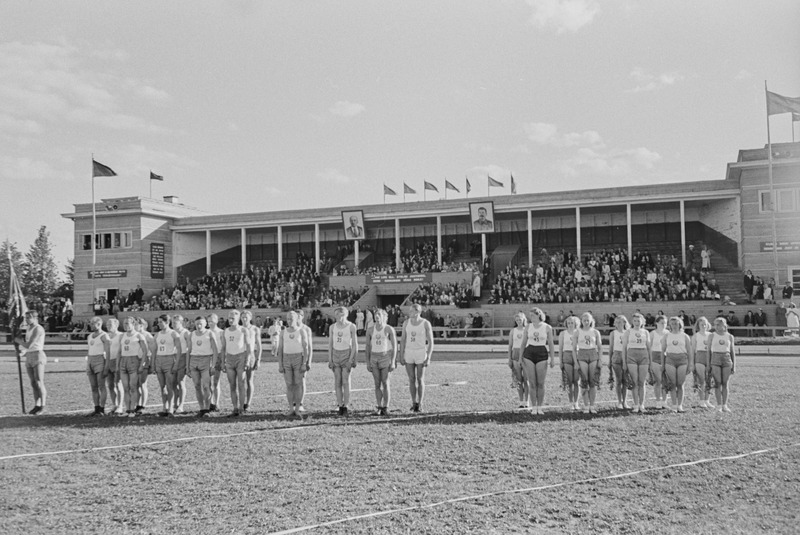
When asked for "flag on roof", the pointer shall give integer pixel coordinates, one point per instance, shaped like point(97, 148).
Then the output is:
point(431, 187)
point(388, 191)
point(780, 104)
point(99, 169)
point(408, 189)
point(448, 185)
point(495, 183)
point(154, 176)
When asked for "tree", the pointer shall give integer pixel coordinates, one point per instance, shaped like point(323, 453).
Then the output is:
point(39, 271)
point(67, 287)
point(7, 249)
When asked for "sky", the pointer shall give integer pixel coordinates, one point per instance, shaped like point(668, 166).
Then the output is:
point(248, 106)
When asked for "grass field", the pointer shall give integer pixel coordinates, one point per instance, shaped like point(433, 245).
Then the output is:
point(265, 473)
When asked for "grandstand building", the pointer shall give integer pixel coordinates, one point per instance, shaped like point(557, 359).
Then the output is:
point(747, 222)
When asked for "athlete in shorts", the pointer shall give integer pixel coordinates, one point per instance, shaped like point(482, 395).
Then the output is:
point(32, 345)
point(381, 353)
point(589, 345)
point(723, 361)
point(130, 362)
point(99, 347)
point(616, 364)
point(201, 359)
point(255, 358)
point(292, 361)
point(310, 339)
point(179, 371)
point(570, 369)
point(342, 351)
point(113, 382)
point(237, 350)
point(216, 371)
point(636, 359)
point(538, 351)
point(678, 361)
point(416, 350)
point(701, 360)
point(168, 347)
point(515, 358)
point(148, 366)
point(657, 361)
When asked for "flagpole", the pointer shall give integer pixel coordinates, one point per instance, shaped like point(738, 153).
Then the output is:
point(15, 325)
point(151, 184)
point(94, 241)
point(772, 198)
point(14, 334)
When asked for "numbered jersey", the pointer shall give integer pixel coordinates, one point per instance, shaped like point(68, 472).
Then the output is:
point(415, 335)
point(637, 339)
point(617, 340)
point(341, 335)
point(96, 347)
point(235, 341)
point(292, 342)
point(676, 343)
point(380, 340)
point(517, 334)
point(131, 345)
point(587, 339)
point(537, 336)
point(701, 341)
point(165, 343)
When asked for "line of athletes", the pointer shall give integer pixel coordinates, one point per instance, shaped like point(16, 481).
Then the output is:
point(119, 363)
point(663, 357)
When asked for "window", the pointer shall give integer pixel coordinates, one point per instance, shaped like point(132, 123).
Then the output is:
point(108, 240)
point(766, 201)
point(786, 200)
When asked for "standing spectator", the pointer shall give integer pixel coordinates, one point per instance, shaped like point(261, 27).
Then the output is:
point(792, 320)
point(749, 283)
point(705, 259)
point(788, 290)
point(691, 259)
point(750, 321)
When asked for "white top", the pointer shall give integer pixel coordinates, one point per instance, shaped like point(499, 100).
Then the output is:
point(341, 336)
point(130, 345)
point(35, 337)
point(537, 336)
point(96, 347)
point(184, 334)
point(235, 341)
point(292, 342)
point(517, 333)
point(380, 340)
point(617, 340)
point(116, 340)
point(586, 339)
point(637, 339)
point(655, 340)
point(701, 343)
point(676, 343)
point(165, 343)
point(720, 344)
point(201, 344)
point(415, 336)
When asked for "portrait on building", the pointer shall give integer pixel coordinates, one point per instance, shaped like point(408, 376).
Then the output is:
point(353, 221)
point(482, 216)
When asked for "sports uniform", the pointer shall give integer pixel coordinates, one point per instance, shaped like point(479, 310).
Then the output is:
point(416, 349)
point(636, 351)
point(342, 344)
point(380, 346)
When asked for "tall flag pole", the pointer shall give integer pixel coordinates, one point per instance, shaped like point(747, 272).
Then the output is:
point(98, 169)
point(153, 176)
point(408, 189)
point(513, 185)
point(16, 313)
point(492, 183)
point(449, 185)
point(387, 191)
point(468, 186)
point(428, 186)
point(795, 119)
point(776, 104)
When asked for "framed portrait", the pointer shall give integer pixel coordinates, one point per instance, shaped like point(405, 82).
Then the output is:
point(353, 221)
point(482, 216)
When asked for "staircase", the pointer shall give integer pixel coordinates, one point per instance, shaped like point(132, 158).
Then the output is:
point(729, 277)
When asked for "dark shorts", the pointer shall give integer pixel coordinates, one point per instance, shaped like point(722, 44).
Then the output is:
point(535, 354)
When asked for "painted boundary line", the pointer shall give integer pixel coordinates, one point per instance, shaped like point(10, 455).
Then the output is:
point(530, 489)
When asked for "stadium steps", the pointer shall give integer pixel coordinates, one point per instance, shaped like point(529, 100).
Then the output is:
point(730, 279)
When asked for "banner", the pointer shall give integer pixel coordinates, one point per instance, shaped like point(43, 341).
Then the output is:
point(396, 278)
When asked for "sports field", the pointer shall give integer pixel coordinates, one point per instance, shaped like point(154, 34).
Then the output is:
point(470, 464)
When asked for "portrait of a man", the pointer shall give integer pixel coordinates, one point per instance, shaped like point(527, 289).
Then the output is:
point(353, 221)
point(482, 216)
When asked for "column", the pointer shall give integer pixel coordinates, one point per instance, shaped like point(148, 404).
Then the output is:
point(208, 252)
point(439, 239)
point(530, 238)
point(578, 230)
point(280, 247)
point(355, 256)
point(683, 233)
point(630, 232)
point(483, 248)
point(244, 250)
point(397, 244)
point(316, 248)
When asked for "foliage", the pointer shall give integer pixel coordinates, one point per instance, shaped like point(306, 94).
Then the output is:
point(5, 272)
point(39, 273)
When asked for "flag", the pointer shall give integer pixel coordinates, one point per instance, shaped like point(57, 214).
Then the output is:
point(431, 187)
point(154, 176)
point(408, 189)
point(513, 186)
point(99, 169)
point(469, 186)
point(448, 185)
point(494, 183)
point(779, 104)
point(388, 191)
point(16, 301)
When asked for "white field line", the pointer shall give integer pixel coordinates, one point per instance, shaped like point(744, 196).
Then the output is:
point(531, 489)
point(158, 406)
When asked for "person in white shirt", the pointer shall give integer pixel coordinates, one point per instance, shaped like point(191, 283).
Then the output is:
point(342, 352)
point(381, 355)
point(113, 382)
point(99, 347)
point(416, 349)
point(168, 347)
point(32, 345)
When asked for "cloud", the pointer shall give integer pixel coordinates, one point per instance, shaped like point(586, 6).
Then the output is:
point(497, 172)
point(346, 109)
point(563, 15)
point(547, 134)
point(334, 176)
point(24, 168)
point(17, 125)
point(616, 162)
point(48, 83)
point(650, 82)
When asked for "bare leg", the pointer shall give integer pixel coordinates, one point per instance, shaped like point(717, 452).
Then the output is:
point(541, 375)
point(411, 370)
point(345, 371)
point(420, 383)
point(337, 376)
point(680, 374)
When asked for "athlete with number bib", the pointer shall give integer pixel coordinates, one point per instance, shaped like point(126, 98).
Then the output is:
point(168, 346)
point(678, 361)
point(416, 349)
point(515, 358)
point(179, 371)
point(636, 359)
point(701, 359)
point(342, 351)
point(113, 382)
point(381, 353)
point(657, 361)
point(255, 360)
point(723, 362)
point(569, 361)
point(538, 352)
point(212, 320)
point(97, 364)
point(236, 352)
point(201, 359)
point(148, 366)
point(589, 344)
point(292, 361)
point(130, 362)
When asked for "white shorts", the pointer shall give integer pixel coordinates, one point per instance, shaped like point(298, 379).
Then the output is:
point(415, 356)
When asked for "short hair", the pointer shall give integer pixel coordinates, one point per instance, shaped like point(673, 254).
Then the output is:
point(112, 320)
point(591, 318)
point(342, 308)
point(212, 316)
point(381, 312)
point(539, 313)
point(697, 323)
point(164, 318)
point(417, 306)
point(638, 315)
point(32, 314)
point(247, 313)
point(661, 317)
point(678, 319)
point(625, 321)
point(234, 312)
point(141, 321)
point(177, 317)
point(96, 318)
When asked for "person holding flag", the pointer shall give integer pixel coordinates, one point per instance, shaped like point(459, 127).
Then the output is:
point(32, 345)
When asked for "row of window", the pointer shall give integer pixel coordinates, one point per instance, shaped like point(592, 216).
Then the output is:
point(787, 200)
point(108, 240)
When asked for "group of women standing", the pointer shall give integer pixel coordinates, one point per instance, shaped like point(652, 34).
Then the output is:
point(663, 358)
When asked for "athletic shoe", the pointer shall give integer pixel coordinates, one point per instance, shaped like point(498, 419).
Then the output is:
point(170, 415)
point(419, 407)
point(385, 411)
point(620, 405)
point(725, 408)
point(162, 414)
point(301, 408)
point(213, 408)
point(680, 409)
point(641, 409)
point(113, 409)
point(34, 410)
point(204, 413)
point(180, 410)
point(245, 407)
point(627, 405)
point(720, 408)
point(592, 409)
point(709, 405)
point(139, 410)
point(131, 414)
point(586, 410)
point(118, 411)
point(234, 414)
point(345, 412)
point(378, 411)
point(635, 410)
